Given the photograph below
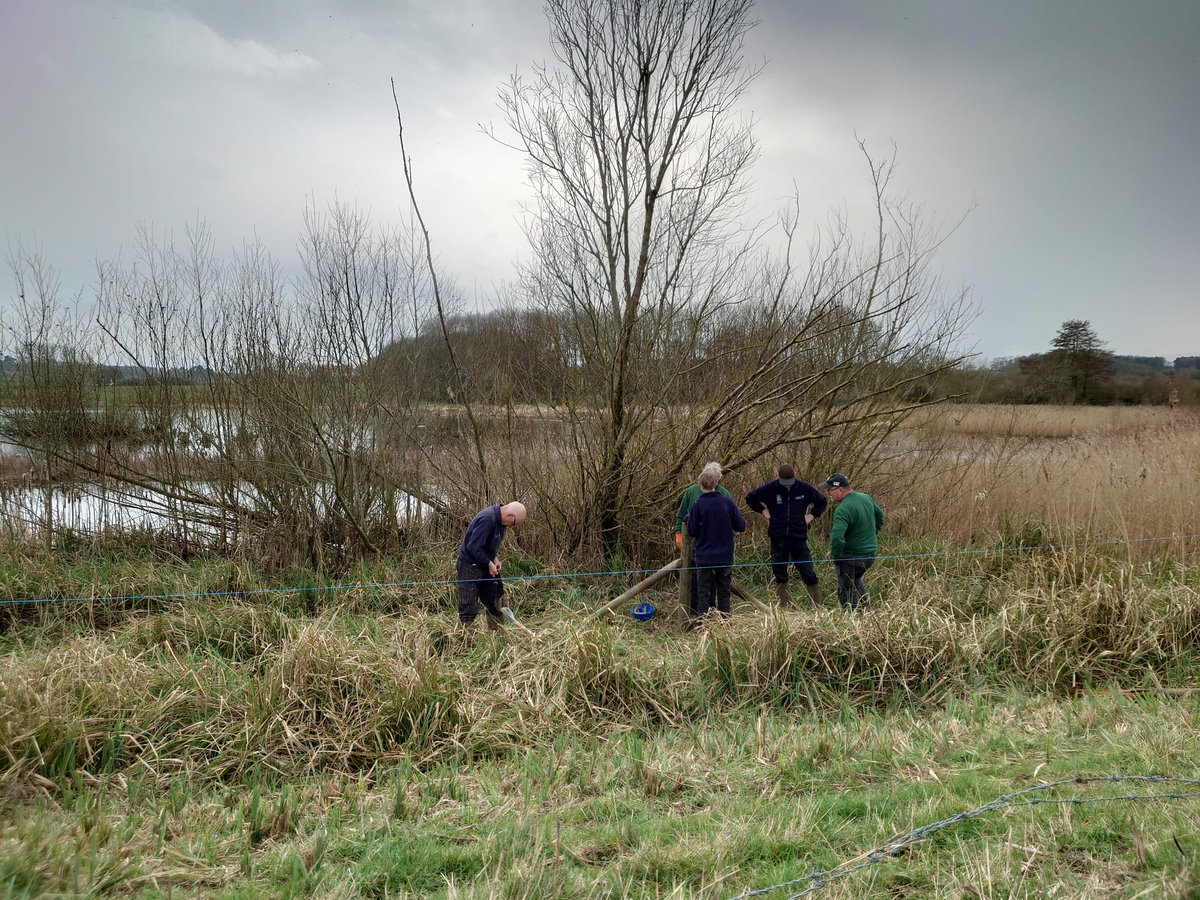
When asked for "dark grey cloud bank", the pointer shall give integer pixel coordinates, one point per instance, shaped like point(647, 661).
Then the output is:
point(1071, 125)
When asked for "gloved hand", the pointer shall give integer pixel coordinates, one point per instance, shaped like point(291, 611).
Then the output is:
point(679, 540)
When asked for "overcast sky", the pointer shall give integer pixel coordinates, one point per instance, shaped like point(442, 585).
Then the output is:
point(1071, 127)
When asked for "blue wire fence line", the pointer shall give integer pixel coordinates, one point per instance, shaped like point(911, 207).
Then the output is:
point(435, 582)
point(815, 881)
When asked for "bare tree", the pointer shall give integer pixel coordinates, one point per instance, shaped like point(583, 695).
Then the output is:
point(48, 405)
point(686, 337)
point(639, 166)
point(268, 408)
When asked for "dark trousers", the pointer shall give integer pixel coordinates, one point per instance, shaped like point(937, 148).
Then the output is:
point(852, 593)
point(689, 584)
point(475, 586)
point(792, 551)
point(712, 589)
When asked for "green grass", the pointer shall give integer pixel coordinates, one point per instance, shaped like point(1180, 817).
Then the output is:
point(353, 744)
point(712, 808)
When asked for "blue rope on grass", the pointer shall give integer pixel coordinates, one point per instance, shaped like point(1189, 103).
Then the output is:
point(441, 582)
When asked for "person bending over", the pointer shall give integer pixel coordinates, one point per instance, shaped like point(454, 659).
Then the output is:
point(478, 567)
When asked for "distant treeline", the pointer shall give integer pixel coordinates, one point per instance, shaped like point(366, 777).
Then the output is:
point(1080, 369)
point(518, 356)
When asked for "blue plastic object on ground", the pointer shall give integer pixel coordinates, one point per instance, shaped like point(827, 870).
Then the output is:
point(643, 611)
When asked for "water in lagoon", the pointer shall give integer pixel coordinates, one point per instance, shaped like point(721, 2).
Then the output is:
point(203, 433)
point(88, 509)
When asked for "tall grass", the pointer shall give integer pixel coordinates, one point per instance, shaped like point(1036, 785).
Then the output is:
point(1116, 473)
point(235, 686)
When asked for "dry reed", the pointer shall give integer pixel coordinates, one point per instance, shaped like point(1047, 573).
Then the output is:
point(238, 688)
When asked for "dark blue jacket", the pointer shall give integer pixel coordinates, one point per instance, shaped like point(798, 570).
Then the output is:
point(788, 507)
point(482, 540)
point(712, 521)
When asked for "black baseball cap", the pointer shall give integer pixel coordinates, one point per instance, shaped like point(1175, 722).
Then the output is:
point(837, 479)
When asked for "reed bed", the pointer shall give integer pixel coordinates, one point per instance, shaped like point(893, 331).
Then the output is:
point(244, 686)
point(1090, 473)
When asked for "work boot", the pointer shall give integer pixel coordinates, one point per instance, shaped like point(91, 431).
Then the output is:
point(814, 591)
point(494, 623)
point(784, 592)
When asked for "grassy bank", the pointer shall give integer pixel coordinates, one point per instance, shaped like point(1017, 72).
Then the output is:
point(348, 743)
point(723, 804)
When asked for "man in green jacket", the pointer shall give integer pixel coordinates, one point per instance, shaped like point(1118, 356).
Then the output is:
point(852, 543)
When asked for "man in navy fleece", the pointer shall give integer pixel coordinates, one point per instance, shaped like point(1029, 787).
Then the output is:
point(712, 521)
point(478, 569)
point(789, 505)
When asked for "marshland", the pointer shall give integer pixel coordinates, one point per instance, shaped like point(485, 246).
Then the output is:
point(233, 487)
point(338, 740)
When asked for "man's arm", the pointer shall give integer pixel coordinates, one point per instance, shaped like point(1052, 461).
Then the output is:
point(736, 517)
point(693, 520)
point(837, 537)
point(754, 499)
point(879, 516)
point(681, 513)
point(820, 501)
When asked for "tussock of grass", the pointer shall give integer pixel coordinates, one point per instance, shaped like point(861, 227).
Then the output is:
point(1116, 626)
point(344, 700)
point(236, 632)
point(914, 652)
point(65, 708)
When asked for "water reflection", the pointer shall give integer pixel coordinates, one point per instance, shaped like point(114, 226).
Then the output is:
point(203, 510)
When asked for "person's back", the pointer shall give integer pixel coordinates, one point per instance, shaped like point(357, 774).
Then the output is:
point(712, 521)
point(690, 495)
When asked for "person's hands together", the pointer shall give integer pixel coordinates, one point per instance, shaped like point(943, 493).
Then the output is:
point(808, 518)
point(494, 568)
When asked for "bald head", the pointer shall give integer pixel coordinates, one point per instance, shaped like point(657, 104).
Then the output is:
point(512, 513)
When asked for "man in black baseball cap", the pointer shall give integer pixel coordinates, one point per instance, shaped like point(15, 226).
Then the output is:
point(853, 542)
point(789, 505)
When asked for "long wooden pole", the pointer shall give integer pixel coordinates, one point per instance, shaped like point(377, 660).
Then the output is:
point(658, 576)
point(749, 598)
point(639, 587)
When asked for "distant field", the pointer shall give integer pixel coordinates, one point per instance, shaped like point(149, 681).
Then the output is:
point(1054, 421)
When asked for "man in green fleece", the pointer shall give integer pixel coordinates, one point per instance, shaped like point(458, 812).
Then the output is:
point(852, 543)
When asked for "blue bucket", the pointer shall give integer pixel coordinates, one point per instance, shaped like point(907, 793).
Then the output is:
point(643, 611)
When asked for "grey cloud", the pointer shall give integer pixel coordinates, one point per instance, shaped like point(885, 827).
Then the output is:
point(1072, 123)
